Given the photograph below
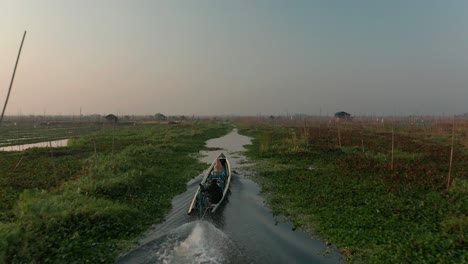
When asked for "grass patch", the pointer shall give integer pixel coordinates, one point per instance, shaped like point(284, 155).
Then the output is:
point(355, 200)
point(107, 187)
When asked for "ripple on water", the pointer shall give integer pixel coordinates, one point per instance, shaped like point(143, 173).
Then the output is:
point(243, 230)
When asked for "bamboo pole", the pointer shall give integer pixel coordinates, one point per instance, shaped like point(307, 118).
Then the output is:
point(393, 144)
point(17, 164)
point(95, 153)
point(306, 136)
point(51, 154)
point(339, 135)
point(113, 136)
point(12, 78)
point(451, 154)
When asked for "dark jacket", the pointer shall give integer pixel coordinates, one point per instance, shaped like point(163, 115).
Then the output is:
point(215, 193)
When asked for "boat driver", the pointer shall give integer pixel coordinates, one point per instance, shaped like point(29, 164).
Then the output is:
point(218, 171)
point(214, 191)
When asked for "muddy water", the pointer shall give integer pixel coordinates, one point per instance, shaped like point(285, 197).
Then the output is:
point(242, 231)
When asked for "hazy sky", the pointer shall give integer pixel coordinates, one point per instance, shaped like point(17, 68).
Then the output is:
point(235, 57)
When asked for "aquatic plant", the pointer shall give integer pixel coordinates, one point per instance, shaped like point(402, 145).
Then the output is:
point(94, 202)
point(355, 199)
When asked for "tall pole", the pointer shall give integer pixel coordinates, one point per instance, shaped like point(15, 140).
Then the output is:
point(451, 153)
point(12, 78)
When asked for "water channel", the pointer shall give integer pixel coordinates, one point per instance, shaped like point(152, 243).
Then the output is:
point(243, 231)
point(52, 144)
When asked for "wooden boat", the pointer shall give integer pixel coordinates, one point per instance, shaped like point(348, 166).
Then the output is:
point(218, 175)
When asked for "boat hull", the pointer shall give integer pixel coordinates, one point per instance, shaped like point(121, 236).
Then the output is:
point(201, 202)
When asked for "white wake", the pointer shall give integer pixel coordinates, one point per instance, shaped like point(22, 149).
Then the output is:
point(195, 242)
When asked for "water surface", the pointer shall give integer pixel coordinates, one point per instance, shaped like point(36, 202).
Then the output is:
point(242, 231)
point(53, 144)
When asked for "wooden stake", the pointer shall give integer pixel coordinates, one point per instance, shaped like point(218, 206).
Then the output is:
point(17, 164)
point(12, 78)
point(113, 135)
point(339, 135)
point(393, 143)
point(306, 136)
point(51, 154)
point(451, 154)
point(95, 151)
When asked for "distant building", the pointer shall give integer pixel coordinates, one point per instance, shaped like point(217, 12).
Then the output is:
point(342, 116)
point(112, 119)
point(160, 117)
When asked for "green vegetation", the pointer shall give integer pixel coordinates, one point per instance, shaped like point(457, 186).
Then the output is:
point(87, 202)
point(353, 198)
point(16, 133)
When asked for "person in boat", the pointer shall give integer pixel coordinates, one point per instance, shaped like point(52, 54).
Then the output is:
point(215, 193)
point(218, 171)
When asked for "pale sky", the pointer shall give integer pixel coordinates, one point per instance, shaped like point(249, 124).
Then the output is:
point(243, 57)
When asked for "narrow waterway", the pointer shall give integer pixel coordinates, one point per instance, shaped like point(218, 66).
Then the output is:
point(243, 231)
